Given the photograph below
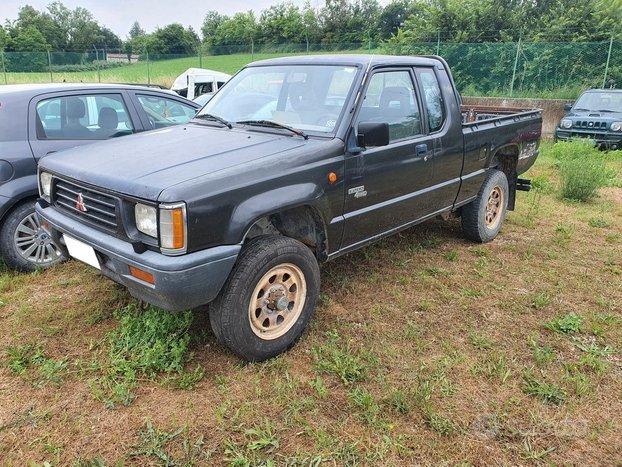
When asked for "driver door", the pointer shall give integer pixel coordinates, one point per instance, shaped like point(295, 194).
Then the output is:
point(386, 187)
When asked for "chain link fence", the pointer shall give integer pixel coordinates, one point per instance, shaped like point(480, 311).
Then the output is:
point(519, 69)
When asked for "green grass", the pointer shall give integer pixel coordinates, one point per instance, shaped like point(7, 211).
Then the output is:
point(545, 391)
point(23, 357)
point(567, 324)
point(583, 169)
point(146, 343)
point(340, 359)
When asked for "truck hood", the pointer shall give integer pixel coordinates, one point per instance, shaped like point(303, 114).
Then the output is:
point(145, 164)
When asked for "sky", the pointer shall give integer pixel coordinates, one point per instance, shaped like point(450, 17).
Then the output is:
point(119, 15)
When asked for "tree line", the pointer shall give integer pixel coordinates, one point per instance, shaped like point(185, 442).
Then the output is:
point(336, 23)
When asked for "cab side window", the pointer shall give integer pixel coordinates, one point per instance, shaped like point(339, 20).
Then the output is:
point(390, 98)
point(433, 99)
point(91, 117)
point(163, 112)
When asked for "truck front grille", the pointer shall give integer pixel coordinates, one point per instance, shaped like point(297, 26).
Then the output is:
point(95, 207)
point(589, 124)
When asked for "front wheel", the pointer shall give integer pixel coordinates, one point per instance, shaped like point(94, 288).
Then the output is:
point(268, 298)
point(483, 217)
point(24, 244)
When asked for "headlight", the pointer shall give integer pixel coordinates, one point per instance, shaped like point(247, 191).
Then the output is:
point(45, 184)
point(565, 123)
point(616, 126)
point(173, 232)
point(146, 219)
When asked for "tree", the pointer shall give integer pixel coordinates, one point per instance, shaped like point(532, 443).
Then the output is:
point(311, 24)
point(32, 45)
point(363, 24)
point(44, 23)
point(136, 31)
point(463, 20)
point(334, 18)
point(392, 18)
point(211, 23)
point(281, 23)
point(238, 30)
point(107, 40)
point(3, 38)
point(173, 40)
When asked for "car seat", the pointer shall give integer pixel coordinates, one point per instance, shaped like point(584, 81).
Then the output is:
point(75, 110)
point(108, 121)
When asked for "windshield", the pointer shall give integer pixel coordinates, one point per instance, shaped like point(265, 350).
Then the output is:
point(306, 97)
point(601, 101)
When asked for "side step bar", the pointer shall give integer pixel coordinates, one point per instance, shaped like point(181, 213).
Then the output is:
point(523, 184)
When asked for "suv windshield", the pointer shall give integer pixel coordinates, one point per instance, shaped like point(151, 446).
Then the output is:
point(601, 101)
point(306, 97)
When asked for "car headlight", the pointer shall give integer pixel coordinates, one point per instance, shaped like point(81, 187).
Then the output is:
point(565, 123)
point(173, 230)
point(45, 184)
point(146, 219)
point(616, 126)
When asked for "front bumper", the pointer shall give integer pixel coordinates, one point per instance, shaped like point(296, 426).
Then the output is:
point(181, 282)
point(602, 139)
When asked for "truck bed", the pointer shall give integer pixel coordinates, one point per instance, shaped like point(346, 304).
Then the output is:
point(486, 129)
point(475, 114)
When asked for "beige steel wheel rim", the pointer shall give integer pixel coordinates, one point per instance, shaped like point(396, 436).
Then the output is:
point(277, 301)
point(494, 207)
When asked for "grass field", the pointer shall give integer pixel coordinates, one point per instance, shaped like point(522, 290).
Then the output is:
point(425, 349)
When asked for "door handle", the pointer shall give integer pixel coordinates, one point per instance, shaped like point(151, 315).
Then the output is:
point(422, 150)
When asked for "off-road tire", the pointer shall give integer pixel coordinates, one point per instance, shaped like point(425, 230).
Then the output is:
point(474, 214)
point(8, 248)
point(230, 314)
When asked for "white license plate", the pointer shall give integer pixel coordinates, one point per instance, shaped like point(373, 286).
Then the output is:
point(81, 251)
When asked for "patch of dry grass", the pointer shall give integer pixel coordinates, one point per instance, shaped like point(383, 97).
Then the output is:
point(425, 349)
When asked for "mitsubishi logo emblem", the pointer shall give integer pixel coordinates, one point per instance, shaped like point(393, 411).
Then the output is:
point(80, 206)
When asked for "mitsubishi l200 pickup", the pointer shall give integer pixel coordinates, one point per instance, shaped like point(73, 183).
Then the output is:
point(295, 161)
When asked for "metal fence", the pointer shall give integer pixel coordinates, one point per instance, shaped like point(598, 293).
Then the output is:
point(522, 69)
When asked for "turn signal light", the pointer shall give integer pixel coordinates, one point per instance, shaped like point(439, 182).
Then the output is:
point(173, 228)
point(142, 275)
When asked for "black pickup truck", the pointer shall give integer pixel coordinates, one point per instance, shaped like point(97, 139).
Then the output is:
point(294, 161)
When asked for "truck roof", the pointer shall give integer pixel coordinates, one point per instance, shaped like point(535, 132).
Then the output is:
point(350, 60)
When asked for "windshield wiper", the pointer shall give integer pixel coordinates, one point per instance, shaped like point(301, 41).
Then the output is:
point(215, 118)
point(606, 110)
point(581, 109)
point(273, 124)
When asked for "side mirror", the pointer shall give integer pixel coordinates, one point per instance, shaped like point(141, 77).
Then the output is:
point(568, 107)
point(370, 134)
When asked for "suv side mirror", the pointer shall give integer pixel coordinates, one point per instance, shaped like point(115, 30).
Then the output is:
point(370, 134)
point(568, 107)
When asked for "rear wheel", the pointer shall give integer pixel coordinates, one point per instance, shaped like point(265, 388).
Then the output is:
point(268, 298)
point(483, 217)
point(24, 244)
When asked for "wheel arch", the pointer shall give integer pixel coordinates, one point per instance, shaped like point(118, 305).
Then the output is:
point(302, 222)
point(14, 203)
point(505, 159)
